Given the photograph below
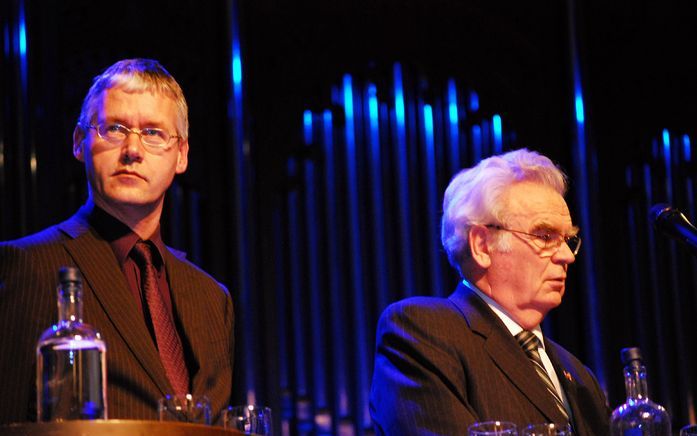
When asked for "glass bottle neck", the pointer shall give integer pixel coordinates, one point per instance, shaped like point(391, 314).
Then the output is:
point(69, 303)
point(635, 382)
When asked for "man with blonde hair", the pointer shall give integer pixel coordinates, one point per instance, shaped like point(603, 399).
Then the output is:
point(480, 355)
point(168, 325)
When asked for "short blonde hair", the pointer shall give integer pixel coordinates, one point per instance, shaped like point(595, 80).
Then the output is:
point(136, 75)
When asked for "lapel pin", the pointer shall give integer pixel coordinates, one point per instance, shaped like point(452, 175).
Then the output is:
point(567, 375)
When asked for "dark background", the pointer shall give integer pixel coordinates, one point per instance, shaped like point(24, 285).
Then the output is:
point(635, 68)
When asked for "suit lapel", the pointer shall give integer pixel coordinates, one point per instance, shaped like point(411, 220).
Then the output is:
point(184, 299)
point(99, 267)
point(505, 352)
point(567, 380)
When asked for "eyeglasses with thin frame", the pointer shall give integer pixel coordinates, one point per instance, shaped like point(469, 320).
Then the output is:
point(154, 139)
point(548, 242)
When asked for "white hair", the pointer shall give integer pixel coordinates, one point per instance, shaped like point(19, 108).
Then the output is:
point(474, 195)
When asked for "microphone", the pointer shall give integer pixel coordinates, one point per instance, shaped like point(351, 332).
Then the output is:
point(672, 223)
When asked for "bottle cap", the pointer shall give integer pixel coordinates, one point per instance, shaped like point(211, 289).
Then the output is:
point(69, 274)
point(629, 355)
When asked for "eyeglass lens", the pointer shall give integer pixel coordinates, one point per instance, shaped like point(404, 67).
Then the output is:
point(117, 133)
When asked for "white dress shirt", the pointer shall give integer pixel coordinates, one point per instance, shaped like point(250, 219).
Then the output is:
point(515, 328)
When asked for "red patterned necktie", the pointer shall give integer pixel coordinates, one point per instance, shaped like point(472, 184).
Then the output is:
point(168, 342)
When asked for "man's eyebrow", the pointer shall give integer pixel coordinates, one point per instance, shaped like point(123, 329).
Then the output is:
point(150, 123)
point(546, 226)
point(554, 229)
point(111, 120)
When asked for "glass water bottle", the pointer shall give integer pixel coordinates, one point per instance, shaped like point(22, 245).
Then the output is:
point(639, 416)
point(71, 360)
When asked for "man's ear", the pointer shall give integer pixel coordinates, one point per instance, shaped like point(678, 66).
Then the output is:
point(479, 246)
point(182, 156)
point(79, 143)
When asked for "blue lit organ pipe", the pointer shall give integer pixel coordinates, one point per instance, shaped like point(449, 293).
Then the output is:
point(317, 318)
point(583, 183)
point(22, 47)
point(667, 165)
point(691, 209)
point(377, 200)
point(281, 234)
point(16, 52)
point(635, 214)
point(473, 101)
point(652, 262)
point(432, 197)
point(497, 132)
point(307, 127)
point(475, 131)
point(671, 154)
point(241, 209)
point(297, 298)
point(453, 128)
point(336, 278)
point(671, 159)
point(689, 187)
point(477, 151)
point(356, 264)
point(686, 148)
point(402, 185)
point(391, 275)
point(486, 136)
point(655, 272)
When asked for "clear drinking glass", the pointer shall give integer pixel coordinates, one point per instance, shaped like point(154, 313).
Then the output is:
point(493, 428)
point(185, 408)
point(689, 430)
point(249, 419)
point(547, 429)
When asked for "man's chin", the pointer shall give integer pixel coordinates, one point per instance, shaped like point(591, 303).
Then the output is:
point(552, 302)
point(124, 198)
point(555, 292)
point(129, 201)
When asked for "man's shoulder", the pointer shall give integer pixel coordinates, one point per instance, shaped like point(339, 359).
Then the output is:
point(461, 303)
point(190, 271)
point(49, 236)
point(420, 302)
point(422, 311)
point(42, 239)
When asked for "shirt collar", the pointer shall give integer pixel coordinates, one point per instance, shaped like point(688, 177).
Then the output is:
point(511, 325)
point(120, 237)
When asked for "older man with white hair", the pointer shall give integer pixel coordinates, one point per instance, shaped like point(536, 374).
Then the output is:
point(480, 354)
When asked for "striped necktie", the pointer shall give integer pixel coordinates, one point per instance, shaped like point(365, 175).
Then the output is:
point(530, 343)
point(169, 344)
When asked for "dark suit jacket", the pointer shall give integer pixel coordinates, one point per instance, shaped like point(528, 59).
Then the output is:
point(136, 378)
point(443, 364)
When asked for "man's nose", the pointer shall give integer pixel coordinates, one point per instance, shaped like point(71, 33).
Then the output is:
point(132, 147)
point(564, 254)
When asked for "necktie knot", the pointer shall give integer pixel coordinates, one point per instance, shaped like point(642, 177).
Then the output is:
point(528, 341)
point(142, 253)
